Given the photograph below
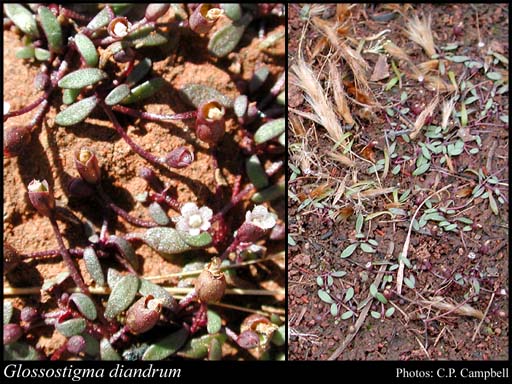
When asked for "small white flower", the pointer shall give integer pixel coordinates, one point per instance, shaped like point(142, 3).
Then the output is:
point(194, 220)
point(261, 217)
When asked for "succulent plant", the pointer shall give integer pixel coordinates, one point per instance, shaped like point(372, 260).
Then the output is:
point(102, 62)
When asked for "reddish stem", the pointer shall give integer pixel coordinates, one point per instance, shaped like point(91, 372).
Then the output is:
point(154, 116)
point(121, 212)
point(135, 147)
point(73, 271)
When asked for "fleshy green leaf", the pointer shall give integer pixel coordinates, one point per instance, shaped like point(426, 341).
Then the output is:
point(197, 94)
point(100, 20)
point(20, 351)
point(268, 194)
point(86, 49)
point(256, 172)
point(93, 266)
point(269, 130)
point(198, 348)
point(126, 250)
point(122, 296)
point(148, 288)
point(107, 352)
point(25, 53)
point(71, 327)
point(165, 240)
point(367, 248)
point(258, 79)
point(199, 241)
point(379, 296)
point(150, 40)
point(226, 39)
point(279, 336)
point(421, 169)
point(214, 350)
point(117, 95)
point(158, 214)
point(390, 311)
point(22, 18)
point(348, 251)
point(82, 78)
point(84, 304)
point(8, 311)
point(42, 54)
point(113, 277)
point(69, 95)
point(51, 28)
point(349, 295)
point(334, 309)
point(76, 112)
point(347, 315)
point(324, 296)
point(144, 90)
point(233, 11)
point(214, 322)
point(166, 346)
point(458, 59)
point(138, 72)
point(92, 346)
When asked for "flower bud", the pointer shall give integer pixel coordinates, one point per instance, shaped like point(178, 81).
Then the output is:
point(80, 189)
point(15, 140)
point(87, 165)
point(248, 339)
point(211, 283)
point(12, 333)
point(124, 55)
point(156, 10)
point(118, 27)
point(11, 258)
point(41, 81)
point(263, 327)
point(210, 123)
point(143, 315)
point(180, 157)
point(249, 233)
point(29, 314)
point(204, 17)
point(41, 197)
point(76, 344)
point(257, 223)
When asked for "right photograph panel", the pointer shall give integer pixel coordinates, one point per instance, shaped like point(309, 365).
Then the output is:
point(398, 182)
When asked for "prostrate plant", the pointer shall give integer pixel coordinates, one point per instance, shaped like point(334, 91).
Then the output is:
point(98, 63)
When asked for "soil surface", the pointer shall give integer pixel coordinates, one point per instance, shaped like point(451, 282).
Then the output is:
point(465, 269)
point(49, 156)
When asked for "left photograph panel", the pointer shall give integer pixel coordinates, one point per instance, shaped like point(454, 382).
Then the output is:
point(144, 186)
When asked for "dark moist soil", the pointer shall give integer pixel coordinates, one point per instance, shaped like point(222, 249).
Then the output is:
point(436, 259)
point(50, 156)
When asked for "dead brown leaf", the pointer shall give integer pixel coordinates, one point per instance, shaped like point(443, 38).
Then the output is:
point(381, 70)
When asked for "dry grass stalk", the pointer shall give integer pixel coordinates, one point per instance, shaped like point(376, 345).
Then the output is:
point(435, 83)
point(355, 61)
point(405, 249)
point(448, 107)
point(422, 117)
point(428, 66)
point(396, 52)
point(339, 95)
point(463, 310)
point(296, 125)
point(420, 32)
point(323, 110)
